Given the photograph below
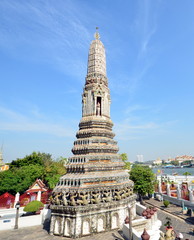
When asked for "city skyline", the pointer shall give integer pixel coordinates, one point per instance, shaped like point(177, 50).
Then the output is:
point(43, 57)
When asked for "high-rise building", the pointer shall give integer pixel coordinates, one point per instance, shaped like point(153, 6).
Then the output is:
point(1, 158)
point(94, 195)
point(140, 158)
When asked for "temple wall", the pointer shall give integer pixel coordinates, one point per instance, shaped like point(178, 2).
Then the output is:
point(83, 224)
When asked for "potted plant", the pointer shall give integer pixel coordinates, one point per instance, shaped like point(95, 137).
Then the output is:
point(168, 223)
point(166, 203)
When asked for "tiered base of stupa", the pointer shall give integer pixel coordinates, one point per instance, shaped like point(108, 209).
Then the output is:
point(79, 221)
point(95, 193)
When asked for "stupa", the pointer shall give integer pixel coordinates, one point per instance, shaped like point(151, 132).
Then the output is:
point(94, 195)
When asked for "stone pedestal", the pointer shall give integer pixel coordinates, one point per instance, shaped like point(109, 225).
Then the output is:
point(75, 222)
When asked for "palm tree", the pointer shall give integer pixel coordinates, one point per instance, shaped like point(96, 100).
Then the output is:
point(186, 174)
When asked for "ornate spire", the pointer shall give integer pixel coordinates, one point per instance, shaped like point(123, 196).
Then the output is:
point(96, 34)
point(96, 56)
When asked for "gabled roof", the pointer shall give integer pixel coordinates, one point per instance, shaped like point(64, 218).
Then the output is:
point(38, 185)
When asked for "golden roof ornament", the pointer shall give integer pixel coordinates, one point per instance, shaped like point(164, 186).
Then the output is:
point(96, 34)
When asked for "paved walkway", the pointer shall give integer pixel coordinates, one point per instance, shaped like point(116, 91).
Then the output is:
point(37, 233)
point(172, 209)
point(180, 222)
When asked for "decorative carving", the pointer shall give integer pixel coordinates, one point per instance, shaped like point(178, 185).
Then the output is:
point(118, 194)
point(72, 199)
point(83, 199)
point(170, 234)
point(108, 197)
point(56, 198)
point(64, 198)
point(95, 197)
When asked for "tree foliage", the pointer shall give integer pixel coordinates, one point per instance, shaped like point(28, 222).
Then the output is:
point(143, 178)
point(23, 172)
point(124, 158)
point(175, 163)
point(32, 159)
point(186, 173)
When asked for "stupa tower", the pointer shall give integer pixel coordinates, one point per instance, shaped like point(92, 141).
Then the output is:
point(93, 196)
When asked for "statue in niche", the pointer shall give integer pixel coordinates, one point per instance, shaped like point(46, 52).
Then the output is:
point(98, 109)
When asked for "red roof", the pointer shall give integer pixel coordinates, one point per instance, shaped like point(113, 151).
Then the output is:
point(38, 185)
point(7, 195)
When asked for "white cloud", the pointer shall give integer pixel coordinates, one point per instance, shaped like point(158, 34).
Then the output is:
point(135, 108)
point(56, 31)
point(13, 121)
point(129, 129)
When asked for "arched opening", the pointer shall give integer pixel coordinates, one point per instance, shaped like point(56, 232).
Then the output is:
point(67, 227)
point(98, 106)
point(56, 228)
point(100, 224)
point(115, 221)
point(86, 227)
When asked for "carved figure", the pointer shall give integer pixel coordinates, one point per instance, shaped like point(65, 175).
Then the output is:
point(64, 198)
point(127, 192)
point(170, 235)
point(57, 198)
point(72, 199)
point(123, 194)
point(96, 197)
point(52, 198)
point(108, 197)
point(98, 109)
point(83, 200)
point(117, 194)
point(161, 236)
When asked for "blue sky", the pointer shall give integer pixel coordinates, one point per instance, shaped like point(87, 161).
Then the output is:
point(150, 67)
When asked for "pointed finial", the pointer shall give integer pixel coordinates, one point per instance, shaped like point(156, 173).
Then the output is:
point(97, 35)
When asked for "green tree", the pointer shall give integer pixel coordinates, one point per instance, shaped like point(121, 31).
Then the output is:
point(175, 163)
point(144, 180)
point(53, 173)
point(20, 179)
point(23, 172)
point(124, 157)
point(186, 174)
point(32, 159)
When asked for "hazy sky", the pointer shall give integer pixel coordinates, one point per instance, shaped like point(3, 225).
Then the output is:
point(150, 66)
